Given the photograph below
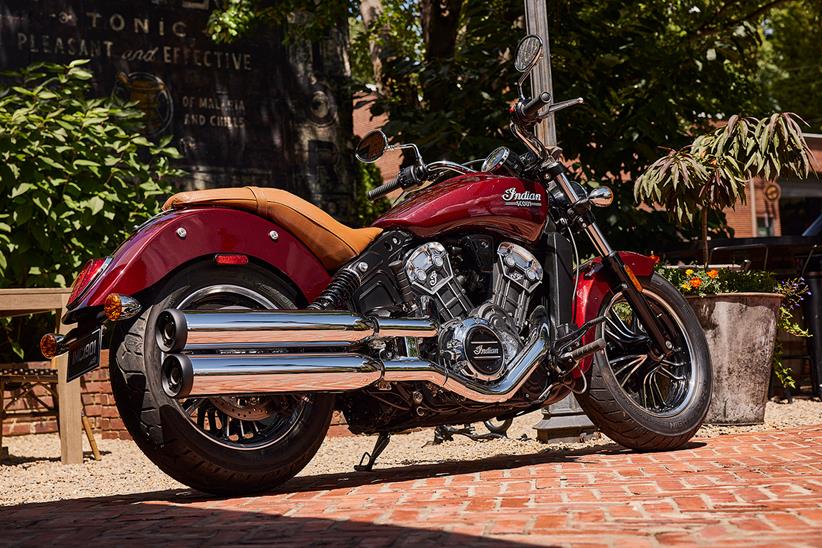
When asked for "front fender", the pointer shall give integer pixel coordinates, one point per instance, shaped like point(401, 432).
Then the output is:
point(160, 246)
point(595, 285)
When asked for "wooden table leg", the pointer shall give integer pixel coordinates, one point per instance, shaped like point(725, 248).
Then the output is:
point(90, 435)
point(3, 450)
point(70, 406)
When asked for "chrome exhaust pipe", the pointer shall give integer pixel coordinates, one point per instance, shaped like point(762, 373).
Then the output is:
point(213, 375)
point(529, 358)
point(231, 374)
point(208, 330)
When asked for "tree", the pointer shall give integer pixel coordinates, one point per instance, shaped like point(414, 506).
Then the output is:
point(652, 74)
point(792, 72)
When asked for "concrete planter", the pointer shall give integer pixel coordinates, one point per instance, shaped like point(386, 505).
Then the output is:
point(741, 330)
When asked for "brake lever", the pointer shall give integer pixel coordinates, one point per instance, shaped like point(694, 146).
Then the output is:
point(559, 106)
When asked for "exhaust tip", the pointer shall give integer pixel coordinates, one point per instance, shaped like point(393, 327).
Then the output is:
point(178, 376)
point(170, 330)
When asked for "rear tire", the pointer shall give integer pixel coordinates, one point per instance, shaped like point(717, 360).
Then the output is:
point(632, 418)
point(169, 436)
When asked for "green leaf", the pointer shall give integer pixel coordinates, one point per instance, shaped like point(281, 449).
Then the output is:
point(21, 189)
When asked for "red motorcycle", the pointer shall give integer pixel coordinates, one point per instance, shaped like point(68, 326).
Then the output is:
point(240, 319)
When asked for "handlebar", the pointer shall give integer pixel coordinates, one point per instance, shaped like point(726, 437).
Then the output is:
point(414, 175)
point(530, 110)
point(384, 189)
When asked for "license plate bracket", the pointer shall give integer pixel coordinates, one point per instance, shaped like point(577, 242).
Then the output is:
point(84, 354)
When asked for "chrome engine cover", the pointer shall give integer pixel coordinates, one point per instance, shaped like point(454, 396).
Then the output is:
point(477, 342)
point(429, 271)
point(517, 274)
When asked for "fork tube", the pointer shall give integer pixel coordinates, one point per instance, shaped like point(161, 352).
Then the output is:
point(617, 268)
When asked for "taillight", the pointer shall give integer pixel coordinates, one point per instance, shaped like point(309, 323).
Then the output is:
point(89, 272)
point(227, 259)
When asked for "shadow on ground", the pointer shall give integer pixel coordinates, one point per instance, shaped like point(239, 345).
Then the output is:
point(133, 520)
point(320, 482)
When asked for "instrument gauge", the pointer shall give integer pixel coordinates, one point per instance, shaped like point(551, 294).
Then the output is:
point(502, 160)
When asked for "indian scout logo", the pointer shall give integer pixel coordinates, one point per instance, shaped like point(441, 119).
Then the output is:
point(521, 199)
point(481, 350)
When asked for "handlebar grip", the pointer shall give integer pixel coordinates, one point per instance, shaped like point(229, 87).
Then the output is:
point(531, 108)
point(384, 189)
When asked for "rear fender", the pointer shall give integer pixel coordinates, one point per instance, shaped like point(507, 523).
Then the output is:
point(171, 240)
point(595, 286)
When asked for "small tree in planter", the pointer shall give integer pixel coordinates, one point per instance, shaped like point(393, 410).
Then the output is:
point(738, 311)
point(713, 171)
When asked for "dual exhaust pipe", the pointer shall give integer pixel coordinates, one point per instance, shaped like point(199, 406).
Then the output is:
point(267, 372)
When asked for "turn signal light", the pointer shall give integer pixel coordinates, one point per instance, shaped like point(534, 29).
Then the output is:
point(120, 307)
point(225, 259)
point(633, 278)
point(50, 345)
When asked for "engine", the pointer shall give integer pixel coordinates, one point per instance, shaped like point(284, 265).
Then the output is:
point(477, 341)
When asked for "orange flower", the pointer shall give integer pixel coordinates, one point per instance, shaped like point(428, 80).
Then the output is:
point(712, 274)
point(695, 282)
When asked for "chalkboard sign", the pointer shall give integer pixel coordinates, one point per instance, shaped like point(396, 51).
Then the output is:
point(255, 112)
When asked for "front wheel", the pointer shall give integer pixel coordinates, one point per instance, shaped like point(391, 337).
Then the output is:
point(641, 402)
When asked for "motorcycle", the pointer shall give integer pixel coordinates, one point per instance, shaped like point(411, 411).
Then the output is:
point(240, 319)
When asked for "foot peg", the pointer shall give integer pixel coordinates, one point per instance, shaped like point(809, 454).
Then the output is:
point(379, 447)
point(585, 350)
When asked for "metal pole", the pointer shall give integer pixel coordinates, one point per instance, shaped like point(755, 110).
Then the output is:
point(536, 22)
point(565, 420)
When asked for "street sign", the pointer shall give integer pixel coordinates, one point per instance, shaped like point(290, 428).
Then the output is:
point(772, 192)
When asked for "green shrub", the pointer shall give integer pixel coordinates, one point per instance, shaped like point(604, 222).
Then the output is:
point(76, 176)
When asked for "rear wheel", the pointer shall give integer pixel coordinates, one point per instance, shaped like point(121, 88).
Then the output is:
point(225, 445)
point(641, 402)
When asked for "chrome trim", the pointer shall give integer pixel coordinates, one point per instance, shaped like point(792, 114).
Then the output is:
point(598, 239)
point(601, 197)
point(529, 358)
point(453, 166)
point(214, 375)
point(211, 375)
point(179, 330)
point(404, 327)
point(130, 307)
point(193, 330)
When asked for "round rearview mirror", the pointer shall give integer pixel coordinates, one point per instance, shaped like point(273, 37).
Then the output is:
point(372, 147)
point(528, 52)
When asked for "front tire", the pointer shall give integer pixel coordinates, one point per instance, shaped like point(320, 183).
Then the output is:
point(223, 446)
point(639, 402)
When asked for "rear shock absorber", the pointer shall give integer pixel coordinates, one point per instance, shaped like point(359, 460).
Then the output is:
point(340, 290)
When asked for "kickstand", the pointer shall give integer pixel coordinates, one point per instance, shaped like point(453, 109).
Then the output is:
point(379, 447)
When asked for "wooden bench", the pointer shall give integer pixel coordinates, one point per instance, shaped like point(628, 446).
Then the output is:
point(66, 395)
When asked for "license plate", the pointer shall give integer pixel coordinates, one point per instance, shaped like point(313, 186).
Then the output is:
point(84, 354)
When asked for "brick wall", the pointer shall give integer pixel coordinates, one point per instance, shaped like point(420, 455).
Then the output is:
point(741, 220)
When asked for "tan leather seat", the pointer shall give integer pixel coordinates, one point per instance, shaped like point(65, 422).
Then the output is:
point(331, 241)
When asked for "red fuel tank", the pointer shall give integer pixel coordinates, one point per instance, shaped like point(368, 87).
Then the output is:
point(480, 202)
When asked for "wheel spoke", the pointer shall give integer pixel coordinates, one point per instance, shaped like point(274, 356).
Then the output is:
point(670, 375)
point(619, 330)
point(192, 404)
point(634, 365)
point(657, 385)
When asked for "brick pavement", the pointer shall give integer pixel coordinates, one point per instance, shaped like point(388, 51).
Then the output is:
point(752, 489)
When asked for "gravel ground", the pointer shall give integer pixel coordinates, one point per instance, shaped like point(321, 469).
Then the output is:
point(33, 472)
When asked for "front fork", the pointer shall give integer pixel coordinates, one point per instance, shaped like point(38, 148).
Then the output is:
point(621, 274)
